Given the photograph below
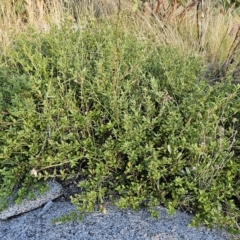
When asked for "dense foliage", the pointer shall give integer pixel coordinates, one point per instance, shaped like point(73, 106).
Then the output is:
point(134, 121)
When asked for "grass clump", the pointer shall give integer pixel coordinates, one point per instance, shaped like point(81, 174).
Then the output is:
point(131, 119)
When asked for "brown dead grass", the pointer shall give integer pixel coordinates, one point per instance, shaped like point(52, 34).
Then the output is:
point(163, 23)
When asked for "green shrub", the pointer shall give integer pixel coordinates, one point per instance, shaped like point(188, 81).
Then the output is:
point(137, 125)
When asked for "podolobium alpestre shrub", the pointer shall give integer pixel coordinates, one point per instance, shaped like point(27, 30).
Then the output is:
point(130, 119)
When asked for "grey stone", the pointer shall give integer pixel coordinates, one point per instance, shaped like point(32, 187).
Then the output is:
point(55, 190)
point(46, 207)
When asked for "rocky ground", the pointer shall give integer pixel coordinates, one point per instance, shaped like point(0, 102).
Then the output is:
point(36, 223)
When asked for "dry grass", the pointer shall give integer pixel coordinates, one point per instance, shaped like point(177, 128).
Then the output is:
point(14, 18)
point(191, 28)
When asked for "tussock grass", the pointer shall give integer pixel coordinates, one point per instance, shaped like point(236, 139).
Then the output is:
point(178, 28)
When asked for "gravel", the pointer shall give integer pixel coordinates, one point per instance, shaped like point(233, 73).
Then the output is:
point(112, 224)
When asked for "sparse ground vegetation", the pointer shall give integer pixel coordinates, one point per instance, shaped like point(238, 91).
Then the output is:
point(138, 100)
